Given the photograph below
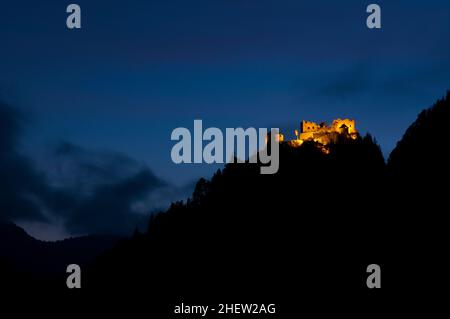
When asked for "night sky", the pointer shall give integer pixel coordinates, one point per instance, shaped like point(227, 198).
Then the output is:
point(87, 114)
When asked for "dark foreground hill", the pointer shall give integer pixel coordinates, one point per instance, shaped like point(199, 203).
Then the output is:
point(305, 234)
point(311, 229)
point(26, 262)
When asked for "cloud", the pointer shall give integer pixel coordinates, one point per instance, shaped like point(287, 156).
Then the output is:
point(21, 187)
point(75, 190)
point(102, 191)
point(95, 191)
point(407, 79)
point(73, 167)
point(9, 127)
point(109, 209)
point(346, 85)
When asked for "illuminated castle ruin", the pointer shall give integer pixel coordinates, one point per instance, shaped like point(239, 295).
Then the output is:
point(322, 133)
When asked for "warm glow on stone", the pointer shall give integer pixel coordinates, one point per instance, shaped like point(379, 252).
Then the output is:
point(322, 133)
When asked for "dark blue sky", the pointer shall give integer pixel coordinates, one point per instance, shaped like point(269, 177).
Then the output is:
point(138, 69)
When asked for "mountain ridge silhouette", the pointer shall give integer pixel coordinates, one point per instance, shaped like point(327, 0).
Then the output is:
point(43, 261)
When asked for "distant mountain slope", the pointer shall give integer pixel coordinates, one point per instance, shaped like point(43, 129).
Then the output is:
point(25, 254)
